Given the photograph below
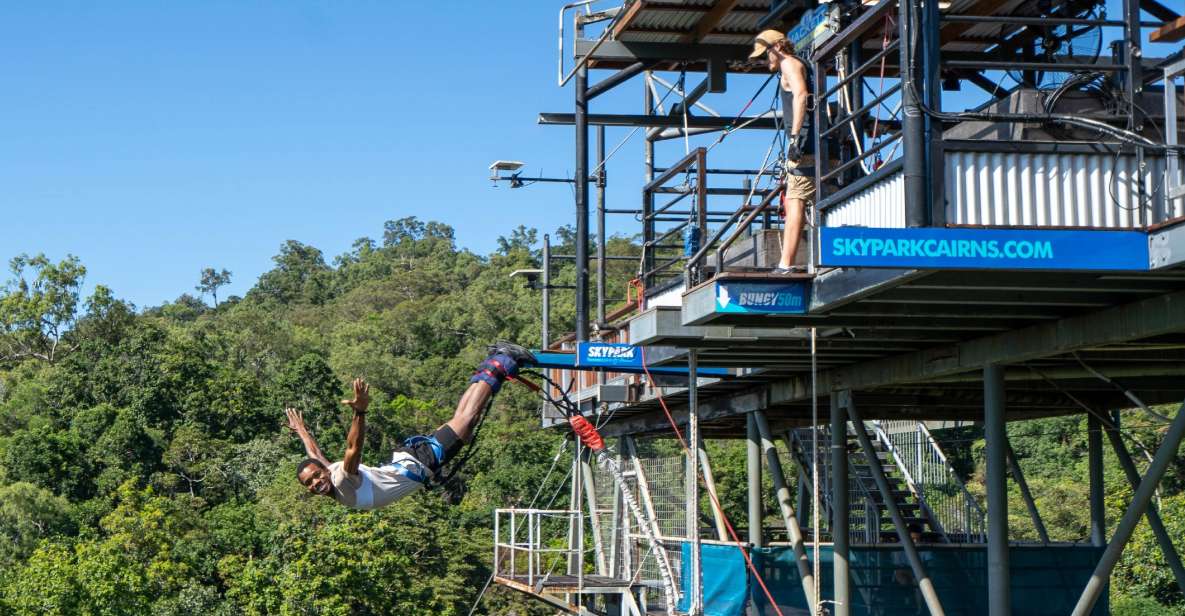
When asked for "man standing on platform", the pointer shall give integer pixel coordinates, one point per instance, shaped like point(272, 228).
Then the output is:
point(794, 85)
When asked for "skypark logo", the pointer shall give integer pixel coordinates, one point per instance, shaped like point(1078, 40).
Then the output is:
point(624, 352)
point(940, 248)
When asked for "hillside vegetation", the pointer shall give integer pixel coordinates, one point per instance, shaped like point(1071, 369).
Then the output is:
point(144, 467)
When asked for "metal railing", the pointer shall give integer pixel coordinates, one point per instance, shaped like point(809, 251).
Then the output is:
point(545, 548)
point(658, 256)
point(932, 478)
point(864, 512)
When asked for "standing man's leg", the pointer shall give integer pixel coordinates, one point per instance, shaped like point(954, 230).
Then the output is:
point(792, 231)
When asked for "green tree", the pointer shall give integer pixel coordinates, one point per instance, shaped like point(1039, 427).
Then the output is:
point(29, 514)
point(300, 275)
point(211, 280)
point(38, 307)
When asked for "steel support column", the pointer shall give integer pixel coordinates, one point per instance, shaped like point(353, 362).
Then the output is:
point(1153, 514)
point(995, 435)
point(1160, 463)
point(753, 473)
point(581, 122)
point(1094, 463)
point(840, 524)
point(601, 263)
point(782, 493)
point(911, 552)
point(693, 441)
point(913, 128)
point(546, 291)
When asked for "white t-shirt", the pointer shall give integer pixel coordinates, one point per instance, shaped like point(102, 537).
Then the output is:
point(374, 488)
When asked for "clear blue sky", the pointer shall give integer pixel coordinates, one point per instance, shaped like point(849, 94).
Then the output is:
point(154, 139)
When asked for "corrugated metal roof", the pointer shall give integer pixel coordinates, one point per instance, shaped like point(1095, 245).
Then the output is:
point(667, 22)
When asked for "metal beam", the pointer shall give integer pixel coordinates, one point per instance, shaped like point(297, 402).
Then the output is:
point(1153, 514)
point(911, 552)
point(580, 119)
point(1150, 317)
point(616, 79)
point(693, 439)
point(1019, 477)
point(590, 497)
point(1140, 500)
point(840, 522)
point(710, 485)
point(627, 51)
point(1158, 10)
point(789, 518)
point(753, 474)
point(1094, 463)
point(996, 485)
point(765, 122)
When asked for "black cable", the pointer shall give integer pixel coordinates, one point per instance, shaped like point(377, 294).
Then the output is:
point(1118, 133)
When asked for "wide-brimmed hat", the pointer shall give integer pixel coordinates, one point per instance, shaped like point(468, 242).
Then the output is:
point(765, 40)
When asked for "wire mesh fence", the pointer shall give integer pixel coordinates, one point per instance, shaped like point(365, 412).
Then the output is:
point(656, 478)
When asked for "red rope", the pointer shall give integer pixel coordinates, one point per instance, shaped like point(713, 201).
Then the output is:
point(715, 501)
point(884, 45)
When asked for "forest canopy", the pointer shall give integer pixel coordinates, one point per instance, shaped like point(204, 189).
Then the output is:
point(144, 466)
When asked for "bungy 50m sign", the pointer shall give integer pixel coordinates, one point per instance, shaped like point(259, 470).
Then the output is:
point(941, 248)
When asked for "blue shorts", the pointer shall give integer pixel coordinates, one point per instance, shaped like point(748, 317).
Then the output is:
point(433, 450)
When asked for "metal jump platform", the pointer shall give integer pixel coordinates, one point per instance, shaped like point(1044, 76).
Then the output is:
point(997, 234)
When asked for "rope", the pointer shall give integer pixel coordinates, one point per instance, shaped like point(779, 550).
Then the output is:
point(629, 136)
point(715, 501)
point(729, 129)
point(815, 465)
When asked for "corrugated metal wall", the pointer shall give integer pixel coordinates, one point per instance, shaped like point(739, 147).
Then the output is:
point(880, 205)
point(1056, 190)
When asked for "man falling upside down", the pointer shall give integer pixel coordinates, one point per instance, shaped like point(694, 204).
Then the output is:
point(356, 485)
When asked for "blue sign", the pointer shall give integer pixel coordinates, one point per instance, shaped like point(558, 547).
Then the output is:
point(608, 355)
point(761, 297)
point(812, 24)
point(1019, 249)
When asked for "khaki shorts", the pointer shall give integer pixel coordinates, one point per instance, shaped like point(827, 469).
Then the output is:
point(800, 187)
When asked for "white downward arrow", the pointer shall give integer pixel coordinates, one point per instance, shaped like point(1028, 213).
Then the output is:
point(722, 296)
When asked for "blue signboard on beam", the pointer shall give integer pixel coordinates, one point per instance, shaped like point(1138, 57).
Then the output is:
point(613, 357)
point(1008, 249)
point(734, 297)
point(608, 355)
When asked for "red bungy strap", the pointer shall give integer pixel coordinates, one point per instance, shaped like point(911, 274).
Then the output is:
point(587, 433)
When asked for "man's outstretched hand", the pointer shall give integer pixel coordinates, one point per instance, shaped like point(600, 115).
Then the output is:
point(295, 420)
point(361, 397)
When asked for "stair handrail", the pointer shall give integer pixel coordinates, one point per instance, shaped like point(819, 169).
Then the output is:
point(971, 508)
point(970, 498)
point(918, 492)
point(696, 260)
point(826, 479)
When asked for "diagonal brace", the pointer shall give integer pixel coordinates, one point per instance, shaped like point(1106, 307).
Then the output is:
point(1140, 500)
point(1153, 515)
point(911, 551)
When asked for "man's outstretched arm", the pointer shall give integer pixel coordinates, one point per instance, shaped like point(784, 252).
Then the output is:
point(296, 424)
point(357, 435)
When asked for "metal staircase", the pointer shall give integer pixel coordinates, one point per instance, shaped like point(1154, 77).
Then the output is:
point(922, 483)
